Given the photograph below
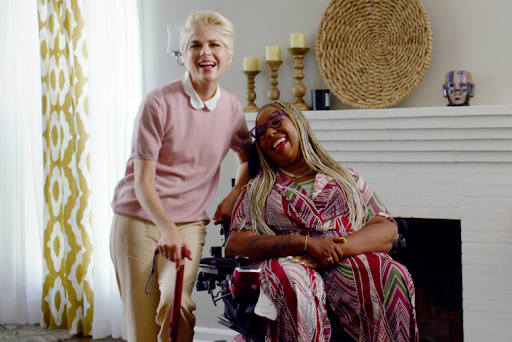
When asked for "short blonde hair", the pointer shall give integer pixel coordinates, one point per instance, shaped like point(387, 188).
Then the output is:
point(222, 27)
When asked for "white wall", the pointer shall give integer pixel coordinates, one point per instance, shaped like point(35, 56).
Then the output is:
point(473, 36)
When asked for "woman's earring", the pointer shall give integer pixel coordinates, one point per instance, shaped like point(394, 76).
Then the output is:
point(227, 67)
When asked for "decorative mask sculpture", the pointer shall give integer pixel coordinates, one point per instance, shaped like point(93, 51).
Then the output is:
point(458, 87)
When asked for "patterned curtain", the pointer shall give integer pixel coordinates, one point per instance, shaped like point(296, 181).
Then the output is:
point(67, 289)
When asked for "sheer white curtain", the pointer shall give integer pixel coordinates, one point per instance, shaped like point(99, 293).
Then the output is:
point(21, 164)
point(115, 88)
point(114, 96)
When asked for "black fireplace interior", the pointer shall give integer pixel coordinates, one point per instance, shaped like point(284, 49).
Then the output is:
point(433, 257)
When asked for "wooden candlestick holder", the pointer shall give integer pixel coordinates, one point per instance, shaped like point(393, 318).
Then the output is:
point(299, 89)
point(273, 92)
point(251, 94)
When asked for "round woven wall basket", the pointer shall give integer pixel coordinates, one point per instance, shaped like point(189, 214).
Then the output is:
point(373, 53)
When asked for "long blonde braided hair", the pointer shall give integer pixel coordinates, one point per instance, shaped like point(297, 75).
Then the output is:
point(316, 158)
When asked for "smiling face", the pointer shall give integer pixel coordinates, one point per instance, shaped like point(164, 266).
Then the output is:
point(281, 143)
point(206, 57)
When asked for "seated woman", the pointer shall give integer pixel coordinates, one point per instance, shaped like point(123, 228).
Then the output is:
point(320, 235)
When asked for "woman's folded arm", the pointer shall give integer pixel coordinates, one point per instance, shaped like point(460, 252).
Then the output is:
point(262, 247)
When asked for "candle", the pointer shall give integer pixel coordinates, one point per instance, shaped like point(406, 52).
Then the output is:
point(273, 53)
point(298, 40)
point(251, 64)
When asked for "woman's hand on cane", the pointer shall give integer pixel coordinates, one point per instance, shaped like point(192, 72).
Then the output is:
point(172, 246)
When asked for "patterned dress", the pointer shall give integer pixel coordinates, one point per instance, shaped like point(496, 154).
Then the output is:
point(370, 296)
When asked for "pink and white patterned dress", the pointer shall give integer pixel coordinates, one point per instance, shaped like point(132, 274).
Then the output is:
point(370, 296)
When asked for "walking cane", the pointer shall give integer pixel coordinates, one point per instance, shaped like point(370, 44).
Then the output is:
point(174, 324)
point(176, 305)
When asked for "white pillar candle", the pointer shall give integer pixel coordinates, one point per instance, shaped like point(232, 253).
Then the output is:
point(298, 40)
point(251, 64)
point(273, 53)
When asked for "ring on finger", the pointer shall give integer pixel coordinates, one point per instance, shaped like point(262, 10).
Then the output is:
point(329, 259)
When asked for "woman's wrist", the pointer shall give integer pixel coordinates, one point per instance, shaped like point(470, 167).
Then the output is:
point(168, 228)
point(236, 191)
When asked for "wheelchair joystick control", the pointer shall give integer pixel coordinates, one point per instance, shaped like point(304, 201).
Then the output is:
point(246, 281)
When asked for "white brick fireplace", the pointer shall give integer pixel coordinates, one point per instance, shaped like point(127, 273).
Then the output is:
point(441, 163)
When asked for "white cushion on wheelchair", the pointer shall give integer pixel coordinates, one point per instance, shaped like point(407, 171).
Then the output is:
point(265, 307)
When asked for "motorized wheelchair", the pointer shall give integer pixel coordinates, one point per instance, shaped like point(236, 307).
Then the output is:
point(236, 283)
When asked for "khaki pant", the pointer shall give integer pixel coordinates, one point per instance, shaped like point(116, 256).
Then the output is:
point(132, 247)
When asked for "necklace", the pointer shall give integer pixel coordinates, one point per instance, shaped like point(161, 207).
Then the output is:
point(295, 176)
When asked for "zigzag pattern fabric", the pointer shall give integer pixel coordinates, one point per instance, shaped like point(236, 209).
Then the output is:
point(373, 296)
point(67, 289)
point(370, 296)
point(299, 295)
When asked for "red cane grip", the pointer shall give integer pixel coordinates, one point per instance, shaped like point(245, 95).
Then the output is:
point(174, 324)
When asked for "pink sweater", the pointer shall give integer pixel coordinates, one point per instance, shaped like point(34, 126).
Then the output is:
point(188, 144)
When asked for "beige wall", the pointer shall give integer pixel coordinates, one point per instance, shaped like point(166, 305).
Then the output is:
point(474, 35)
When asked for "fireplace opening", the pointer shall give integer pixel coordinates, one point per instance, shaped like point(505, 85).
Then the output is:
point(433, 256)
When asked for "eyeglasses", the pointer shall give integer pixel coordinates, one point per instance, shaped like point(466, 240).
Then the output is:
point(274, 121)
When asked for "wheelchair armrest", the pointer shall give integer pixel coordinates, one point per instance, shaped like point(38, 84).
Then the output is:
point(222, 265)
point(218, 265)
point(214, 271)
point(217, 269)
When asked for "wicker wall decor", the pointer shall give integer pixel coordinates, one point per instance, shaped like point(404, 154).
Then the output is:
point(373, 53)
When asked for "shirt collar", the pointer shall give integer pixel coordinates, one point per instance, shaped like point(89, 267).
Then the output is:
point(195, 100)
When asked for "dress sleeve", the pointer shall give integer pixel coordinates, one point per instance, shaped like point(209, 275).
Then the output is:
point(374, 206)
point(240, 218)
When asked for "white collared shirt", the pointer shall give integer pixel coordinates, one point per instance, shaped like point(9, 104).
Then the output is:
point(195, 100)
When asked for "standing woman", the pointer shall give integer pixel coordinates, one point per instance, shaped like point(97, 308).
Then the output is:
point(182, 132)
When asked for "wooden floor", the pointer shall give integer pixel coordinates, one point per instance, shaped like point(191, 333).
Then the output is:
point(89, 338)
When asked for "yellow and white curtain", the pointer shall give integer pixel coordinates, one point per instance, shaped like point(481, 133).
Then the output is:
point(67, 248)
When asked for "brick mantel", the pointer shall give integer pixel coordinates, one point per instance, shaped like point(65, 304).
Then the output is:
point(480, 134)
